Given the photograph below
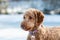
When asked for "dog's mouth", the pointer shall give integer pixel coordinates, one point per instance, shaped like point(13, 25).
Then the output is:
point(25, 28)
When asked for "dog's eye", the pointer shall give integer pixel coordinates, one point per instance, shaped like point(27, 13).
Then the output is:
point(30, 17)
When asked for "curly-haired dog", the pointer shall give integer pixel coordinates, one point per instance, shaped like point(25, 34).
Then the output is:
point(33, 19)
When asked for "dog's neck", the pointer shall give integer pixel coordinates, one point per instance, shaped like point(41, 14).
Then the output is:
point(35, 30)
point(35, 34)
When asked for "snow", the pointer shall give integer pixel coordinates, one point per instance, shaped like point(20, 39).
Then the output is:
point(12, 33)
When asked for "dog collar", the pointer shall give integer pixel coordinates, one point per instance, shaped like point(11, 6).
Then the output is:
point(33, 32)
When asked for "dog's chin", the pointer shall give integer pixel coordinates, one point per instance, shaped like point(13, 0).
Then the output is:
point(27, 29)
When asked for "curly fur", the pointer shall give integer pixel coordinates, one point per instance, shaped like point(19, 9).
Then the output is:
point(33, 20)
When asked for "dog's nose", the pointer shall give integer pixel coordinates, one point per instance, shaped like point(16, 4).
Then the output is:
point(22, 26)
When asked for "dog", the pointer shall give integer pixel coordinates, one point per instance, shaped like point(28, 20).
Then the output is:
point(33, 22)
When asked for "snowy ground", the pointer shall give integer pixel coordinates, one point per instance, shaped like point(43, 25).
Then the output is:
point(12, 34)
point(10, 26)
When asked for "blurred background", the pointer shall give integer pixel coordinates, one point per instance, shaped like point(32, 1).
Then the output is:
point(11, 16)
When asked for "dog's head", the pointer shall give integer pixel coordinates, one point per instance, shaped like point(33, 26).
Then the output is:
point(32, 19)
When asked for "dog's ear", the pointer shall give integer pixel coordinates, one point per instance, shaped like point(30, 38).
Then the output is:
point(40, 17)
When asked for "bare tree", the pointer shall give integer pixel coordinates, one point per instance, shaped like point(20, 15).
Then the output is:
point(3, 5)
point(52, 4)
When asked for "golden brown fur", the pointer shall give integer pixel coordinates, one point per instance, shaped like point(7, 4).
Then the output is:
point(33, 19)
